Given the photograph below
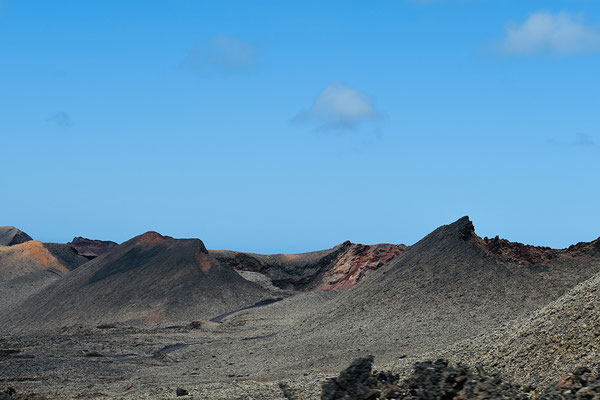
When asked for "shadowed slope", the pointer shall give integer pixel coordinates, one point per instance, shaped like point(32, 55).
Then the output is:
point(149, 279)
point(9, 236)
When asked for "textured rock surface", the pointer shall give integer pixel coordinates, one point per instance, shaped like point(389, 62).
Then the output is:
point(525, 254)
point(553, 341)
point(430, 380)
point(338, 268)
point(440, 380)
point(583, 383)
point(9, 236)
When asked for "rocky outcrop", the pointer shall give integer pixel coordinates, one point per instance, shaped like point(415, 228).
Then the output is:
point(90, 248)
point(355, 262)
point(338, 268)
point(525, 254)
point(10, 236)
point(440, 380)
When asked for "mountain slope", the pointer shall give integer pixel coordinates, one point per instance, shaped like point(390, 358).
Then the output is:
point(148, 279)
point(445, 288)
point(546, 345)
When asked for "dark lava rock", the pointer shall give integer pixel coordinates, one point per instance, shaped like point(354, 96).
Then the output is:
point(357, 382)
point(194, 325)
point(287, 391)
point(581, 384)
point(106, 326)
point(431, 380)
point(438, 380)
point(526, 254)
point(8, 394)
point(181, 392)
point(8, 352)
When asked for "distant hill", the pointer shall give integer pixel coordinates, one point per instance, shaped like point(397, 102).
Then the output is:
point(338, 268)
point(9, 236)
point(150, 279)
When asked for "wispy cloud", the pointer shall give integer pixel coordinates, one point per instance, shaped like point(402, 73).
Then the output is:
point(60, 119)
point(579, 140)
point(221, 53)
point(559, 33)
point(339, 107)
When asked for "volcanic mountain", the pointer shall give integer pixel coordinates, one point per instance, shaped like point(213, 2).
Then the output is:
point(338, 268)
point(149, 279)
point(28, 267)
point(446, 287)
point(9, 236)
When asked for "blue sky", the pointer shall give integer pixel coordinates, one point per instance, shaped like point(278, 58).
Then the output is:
point(286, 127)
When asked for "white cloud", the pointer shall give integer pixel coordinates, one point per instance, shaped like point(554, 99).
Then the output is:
point(339, 107)
point(560, 33)
point(221, 53)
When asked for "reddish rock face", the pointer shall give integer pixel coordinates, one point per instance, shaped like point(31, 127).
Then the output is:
point(91, 248)
point(528, 255)
point(338, 268)
point(356, 262)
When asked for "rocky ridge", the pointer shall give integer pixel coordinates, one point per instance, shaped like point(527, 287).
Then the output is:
point(338, 268)
point(525, 254)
